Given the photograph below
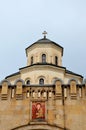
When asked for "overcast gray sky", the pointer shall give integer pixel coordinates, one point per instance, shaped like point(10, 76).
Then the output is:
point(23, 21)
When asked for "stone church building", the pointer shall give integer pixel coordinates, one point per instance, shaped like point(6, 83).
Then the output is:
point(43, 95)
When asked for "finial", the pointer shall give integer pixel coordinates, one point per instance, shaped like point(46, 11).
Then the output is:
point(44, 33)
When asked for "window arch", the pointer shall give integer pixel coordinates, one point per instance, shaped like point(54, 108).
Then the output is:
point(56, 60)
point(43, 58)
point(41, 81)
point(28, 82)
point(31, 60)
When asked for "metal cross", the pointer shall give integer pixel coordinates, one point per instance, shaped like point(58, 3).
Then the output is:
point(44, 33)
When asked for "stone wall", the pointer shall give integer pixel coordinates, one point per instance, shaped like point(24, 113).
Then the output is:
point(64, 106)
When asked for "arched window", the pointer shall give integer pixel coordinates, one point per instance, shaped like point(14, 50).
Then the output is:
point(28, 82)
point(43, 58)
point(41, 81)
point(31, 60)
point(56, 60)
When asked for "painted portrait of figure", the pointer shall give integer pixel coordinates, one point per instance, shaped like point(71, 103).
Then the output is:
point(38, 111)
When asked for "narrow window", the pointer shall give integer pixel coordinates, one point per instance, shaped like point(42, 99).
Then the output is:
point(33, 94)
point(50, 94)
point(56, 60)
point(43, 58)
point(44, 94)
point(39, 94)
point(27, 94)
point(41, 81)
point(13, 93)
point(28, 82)
point(31, 60)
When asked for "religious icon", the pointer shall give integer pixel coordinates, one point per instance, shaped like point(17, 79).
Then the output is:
point(38, 111)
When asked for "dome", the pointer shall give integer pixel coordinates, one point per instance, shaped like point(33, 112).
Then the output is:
point(45, 41)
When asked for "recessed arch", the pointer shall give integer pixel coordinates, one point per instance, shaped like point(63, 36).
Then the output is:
point(73, 79)
point(41, 81)
point(43, 53)
point(55, 79)
point(28, 81)
point(19, 80)
point(5, 80)
point(43, 58)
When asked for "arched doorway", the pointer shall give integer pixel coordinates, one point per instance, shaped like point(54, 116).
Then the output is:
point(38, 127)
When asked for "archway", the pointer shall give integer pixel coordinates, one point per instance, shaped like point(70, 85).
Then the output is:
point(38, 127)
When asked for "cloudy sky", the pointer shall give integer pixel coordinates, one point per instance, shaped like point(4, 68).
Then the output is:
point(23, 21)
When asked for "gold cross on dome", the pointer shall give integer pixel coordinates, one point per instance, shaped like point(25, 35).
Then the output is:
point(44, 33)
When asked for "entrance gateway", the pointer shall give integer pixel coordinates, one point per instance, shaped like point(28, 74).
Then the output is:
point(38, 127)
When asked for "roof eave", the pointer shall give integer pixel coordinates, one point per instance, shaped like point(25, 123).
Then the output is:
point(43, 42)
point(14, 74)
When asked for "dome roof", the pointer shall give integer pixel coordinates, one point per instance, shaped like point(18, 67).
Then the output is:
point(45, 40)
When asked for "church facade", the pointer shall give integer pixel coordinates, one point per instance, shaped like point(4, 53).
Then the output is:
point(43, 95)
